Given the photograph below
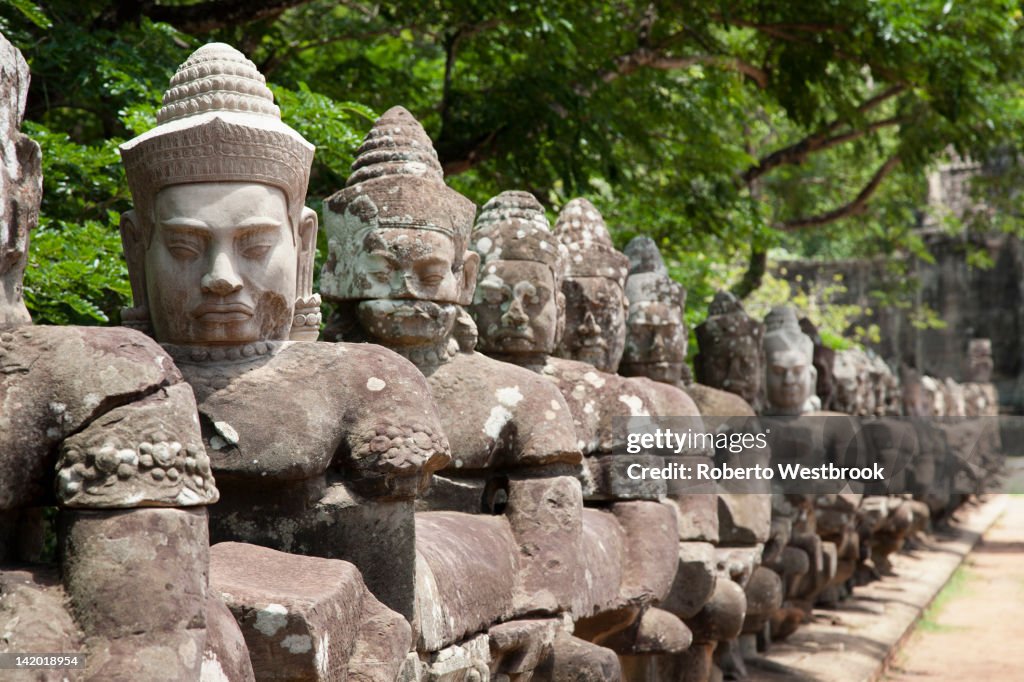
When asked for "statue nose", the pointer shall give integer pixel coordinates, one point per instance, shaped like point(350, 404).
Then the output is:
point(515, 315)
point(589, 326)
point(658, 348)
point(222, 279)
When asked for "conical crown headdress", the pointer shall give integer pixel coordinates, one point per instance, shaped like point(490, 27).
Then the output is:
point(397, 182)
point(512, 226)
point(218, 123)
point(782, 332)
point(591, 253)
point(648, 278)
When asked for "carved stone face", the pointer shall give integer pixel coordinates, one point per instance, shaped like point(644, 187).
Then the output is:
point(407, 276)
point(790, 380)
point(405, 322)
point(655, 343)
point(735, 367)
point(979, 361)
point(516, 308)
point(221, 264)
point(595, 322)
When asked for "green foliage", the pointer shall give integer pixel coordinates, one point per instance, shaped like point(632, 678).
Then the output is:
point(722, 129)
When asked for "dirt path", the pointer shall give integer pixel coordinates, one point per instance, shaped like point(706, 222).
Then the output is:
point(975, 628)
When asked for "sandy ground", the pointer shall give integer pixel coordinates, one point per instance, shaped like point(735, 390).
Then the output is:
point(976, 631)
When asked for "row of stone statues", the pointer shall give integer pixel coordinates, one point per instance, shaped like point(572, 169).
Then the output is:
point(436, 491)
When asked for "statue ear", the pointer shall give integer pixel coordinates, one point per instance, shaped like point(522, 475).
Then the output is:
point(470, 268)
point(133, 240)
point(560, 326)
point(306, 246)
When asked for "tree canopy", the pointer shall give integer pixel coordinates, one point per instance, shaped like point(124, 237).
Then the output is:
point(722, 128)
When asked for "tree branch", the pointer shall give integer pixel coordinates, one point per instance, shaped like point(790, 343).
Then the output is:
point(855, 207)
point(798, 152)
point(210, 15)
point(654, 59)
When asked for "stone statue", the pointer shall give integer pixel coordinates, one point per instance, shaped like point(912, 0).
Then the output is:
point(108, 412)
point(790, 376)
point(400, 271)
point(824, 362)
point(979, 361)
point(220, 250)
point(519, 310)
point(656, 336)
point(595, 279)
point(730, 357)
point(400, 267)
point(656, 349)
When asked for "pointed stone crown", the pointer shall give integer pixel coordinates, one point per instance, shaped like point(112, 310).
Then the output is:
point(513, 226)
point(396, 182)
point(782, 332)
point(218, 123)
point(648, 278)
point(591, 253)
point(726, 318)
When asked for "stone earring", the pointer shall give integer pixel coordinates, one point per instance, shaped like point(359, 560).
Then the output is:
point(307, 318)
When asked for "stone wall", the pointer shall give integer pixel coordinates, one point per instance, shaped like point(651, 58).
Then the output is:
point(973, 302)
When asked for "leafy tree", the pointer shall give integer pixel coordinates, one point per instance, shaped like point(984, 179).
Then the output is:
point(723, 129)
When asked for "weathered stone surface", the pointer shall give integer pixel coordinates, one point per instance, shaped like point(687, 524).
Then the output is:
point(744, 519)
point(147, 453)
point(730, 355)
point(467, 661)
point(721, 618)
point(790, 374)
point(714, 402)
point(696, 516)
point(519, 255)
point(595, 302)
point(157, 555)
point(764, 595)
point(33, 618)
point(695, 579)
point(497, 414)
point(611, 480)
point(466, 573)
point(517, 647)
point(738, 563)
point(21, 185)
point(226, 656)
point(600, 564)
point(467, 495)
point(57, 381)
point(574, 660)
point(654, 632)
point(650, 551)
point(332, 523)
point(306, 617)
point(392, 223)
point(545, 515)
point(370, 418)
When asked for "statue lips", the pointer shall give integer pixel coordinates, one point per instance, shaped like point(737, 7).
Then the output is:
point(219, 313)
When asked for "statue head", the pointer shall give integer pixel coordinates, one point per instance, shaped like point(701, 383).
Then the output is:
point(20, 186)
point(398, 238)
point(979, 361)
point(656, 336)
point(594, 287)
point(518, 306)
point(731, 356)
point(220, 245)
point(789, 355)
